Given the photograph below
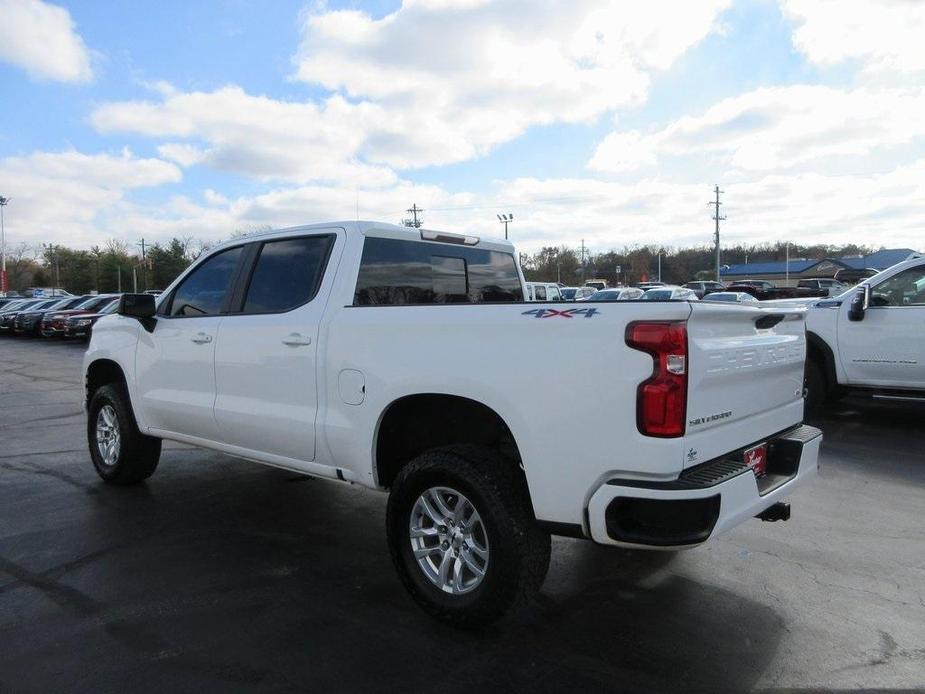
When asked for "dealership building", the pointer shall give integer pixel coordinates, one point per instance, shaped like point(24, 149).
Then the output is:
point(785, 274)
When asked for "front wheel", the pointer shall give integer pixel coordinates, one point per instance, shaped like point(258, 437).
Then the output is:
point(121, 454)
point(463, 536)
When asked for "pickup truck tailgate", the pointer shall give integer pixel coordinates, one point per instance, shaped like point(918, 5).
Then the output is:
point(745, 376)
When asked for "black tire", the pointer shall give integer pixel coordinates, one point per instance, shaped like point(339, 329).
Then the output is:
point(137, 456)
point(815, 387)
point(518, 548)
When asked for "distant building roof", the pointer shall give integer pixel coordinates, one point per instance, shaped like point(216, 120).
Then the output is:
point(879, 261)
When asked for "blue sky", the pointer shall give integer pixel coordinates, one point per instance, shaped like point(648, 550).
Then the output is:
point(588, 119)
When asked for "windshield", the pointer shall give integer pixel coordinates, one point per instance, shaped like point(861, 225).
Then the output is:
point(657, 295)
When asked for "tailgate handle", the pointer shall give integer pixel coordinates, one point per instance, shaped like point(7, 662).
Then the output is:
point(768, 321)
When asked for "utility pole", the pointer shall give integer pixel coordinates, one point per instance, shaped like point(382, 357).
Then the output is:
point(582, 253)
point(144, 266)
point(414, 221)
point(787, 266)
point(4, 285)
point(659, 265)
point(119, 277)
point(505, 219)
point(717, 217)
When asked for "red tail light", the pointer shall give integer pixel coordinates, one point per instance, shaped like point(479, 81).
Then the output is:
point(661, 400)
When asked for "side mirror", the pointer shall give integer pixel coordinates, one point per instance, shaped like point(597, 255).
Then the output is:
point(138, 306)
point(859, 303)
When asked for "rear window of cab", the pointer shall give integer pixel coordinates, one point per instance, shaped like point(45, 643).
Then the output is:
point(397, 272)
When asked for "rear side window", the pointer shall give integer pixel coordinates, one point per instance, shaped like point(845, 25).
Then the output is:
point(203, 291)
point(287, 274)
point(395, 272)
point(540, 292)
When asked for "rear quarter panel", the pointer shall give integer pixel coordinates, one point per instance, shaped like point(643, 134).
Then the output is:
point(565, 386)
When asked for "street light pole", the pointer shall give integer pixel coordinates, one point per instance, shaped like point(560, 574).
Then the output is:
point(787, 266)
point(4, 288)
point(505, 219)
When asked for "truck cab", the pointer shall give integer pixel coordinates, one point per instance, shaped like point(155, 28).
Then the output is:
point(870, 339)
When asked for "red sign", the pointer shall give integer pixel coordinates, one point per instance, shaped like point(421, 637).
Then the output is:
point(4, 283)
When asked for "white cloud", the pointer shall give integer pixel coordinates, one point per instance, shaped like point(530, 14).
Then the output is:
point(66, 197)
point(454, 79)
point(40, 38)
point(885, 35)
point(257, 136)
point(777, 128)
point(81, 199)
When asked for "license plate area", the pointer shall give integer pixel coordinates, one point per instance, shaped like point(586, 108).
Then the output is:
point(756, 458)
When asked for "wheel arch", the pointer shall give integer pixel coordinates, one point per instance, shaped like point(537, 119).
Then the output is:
point(819, 350)
point(101, 372)
point(414, 423)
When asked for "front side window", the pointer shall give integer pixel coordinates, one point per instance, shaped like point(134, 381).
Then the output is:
point(287, 274)
point(905, 289)
point(203, 291)
point(395, 272)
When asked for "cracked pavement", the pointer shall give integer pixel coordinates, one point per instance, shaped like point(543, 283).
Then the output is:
point(219, 574)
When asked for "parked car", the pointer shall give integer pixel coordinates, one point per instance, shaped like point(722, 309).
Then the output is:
point(326, 350)
point(29, 321)
point(55, 322)
point(832, 287)
point(870, 340)
point(852, 276)
point(702, 288)
point(8, 311)
point(731, 297)
point(768, 291)
point(80, 326)
point(36, 317)
point(596, 284)
point(669, 293)
point(576, 293)
point(9, 317)
point(542, 291)
point(616, 294)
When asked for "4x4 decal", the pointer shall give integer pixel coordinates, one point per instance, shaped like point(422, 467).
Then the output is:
point(565, 313)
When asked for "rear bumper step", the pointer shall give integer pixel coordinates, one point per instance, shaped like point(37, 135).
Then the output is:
point(706, 499)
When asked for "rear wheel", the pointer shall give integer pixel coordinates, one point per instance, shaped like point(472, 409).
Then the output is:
point(121, 454)
point(463, 536)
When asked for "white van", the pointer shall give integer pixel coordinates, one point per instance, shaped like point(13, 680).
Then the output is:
point(542, 291)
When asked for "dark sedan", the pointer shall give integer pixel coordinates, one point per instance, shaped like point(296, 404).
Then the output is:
point(55, 322)
point(10, 312)
point(81, 326)
point(29, 321)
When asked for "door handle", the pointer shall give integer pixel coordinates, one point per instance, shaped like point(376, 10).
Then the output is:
point(201, 338)
point(296, 340)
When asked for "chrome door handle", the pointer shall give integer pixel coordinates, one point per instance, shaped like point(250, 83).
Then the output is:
point(201, 338)
point(296, 340)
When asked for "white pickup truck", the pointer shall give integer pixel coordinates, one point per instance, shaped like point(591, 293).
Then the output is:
point(406, 360)
point(870, 339)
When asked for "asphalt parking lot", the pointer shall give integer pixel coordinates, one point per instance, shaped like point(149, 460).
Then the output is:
point(219, 574)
